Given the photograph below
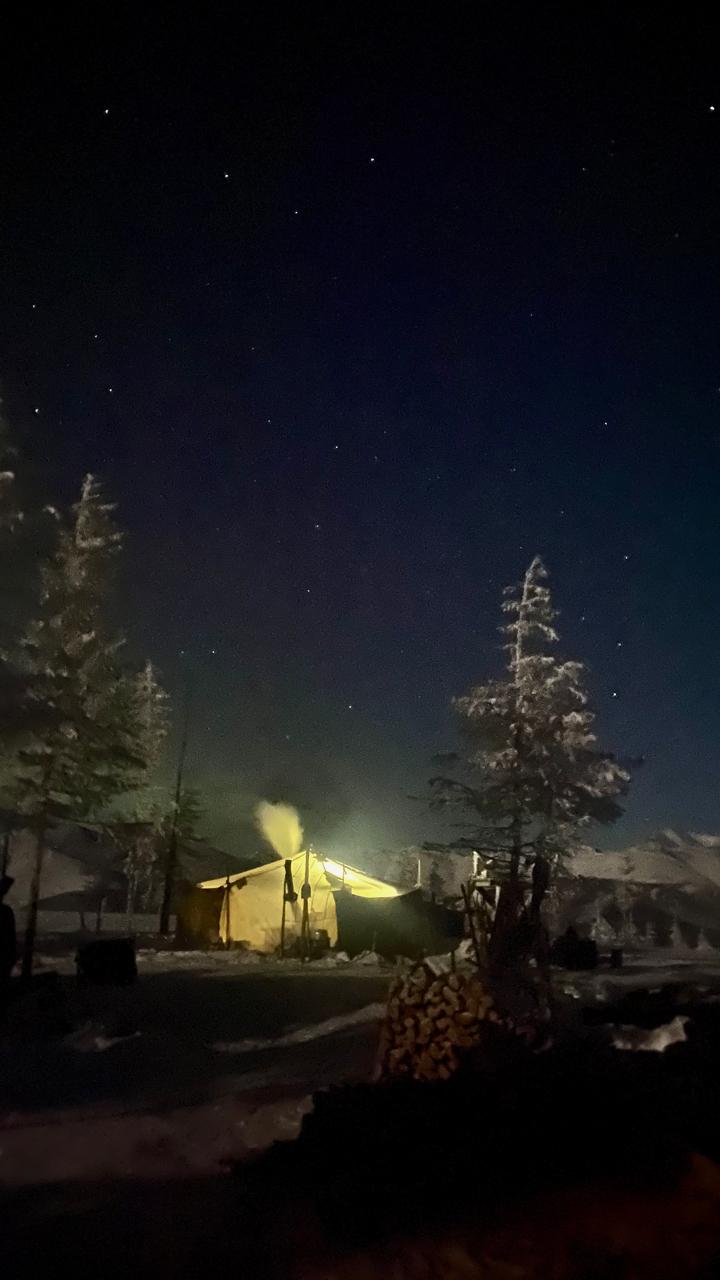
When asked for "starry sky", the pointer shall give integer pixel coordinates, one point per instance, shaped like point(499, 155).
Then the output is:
point(354, 313)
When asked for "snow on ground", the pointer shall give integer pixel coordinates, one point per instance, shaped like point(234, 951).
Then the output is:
point(210, 1056)
point(371, 1013)
point(202, 1140)
point(149, 1081)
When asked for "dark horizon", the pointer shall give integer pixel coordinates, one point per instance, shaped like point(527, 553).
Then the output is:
point(353, 315)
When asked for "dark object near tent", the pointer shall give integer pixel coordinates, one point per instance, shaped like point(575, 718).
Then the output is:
point(107, 962)
point(573, 952)
point(198, 915)
point(408, 925)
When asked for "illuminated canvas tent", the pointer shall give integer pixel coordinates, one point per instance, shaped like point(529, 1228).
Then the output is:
point(247, 908)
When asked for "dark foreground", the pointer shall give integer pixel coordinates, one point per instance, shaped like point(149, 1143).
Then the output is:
point(582, 1167)
point(578, 1162)
point(178, 1092)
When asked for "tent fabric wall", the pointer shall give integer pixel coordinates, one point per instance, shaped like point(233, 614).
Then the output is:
point(251, 912)
point(408, 925)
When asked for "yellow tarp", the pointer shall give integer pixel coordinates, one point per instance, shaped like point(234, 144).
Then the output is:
point(252, 906)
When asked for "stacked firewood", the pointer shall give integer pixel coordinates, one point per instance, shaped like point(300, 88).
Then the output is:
point(432, 1020)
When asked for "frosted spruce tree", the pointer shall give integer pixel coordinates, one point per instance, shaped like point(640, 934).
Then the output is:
point(177, 826)
point(531, 773)
point(136, 835)
point(23, 538)
point(11, 516)
point(89, 743)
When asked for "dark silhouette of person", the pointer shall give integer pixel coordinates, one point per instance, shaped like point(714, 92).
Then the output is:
point(8, 940)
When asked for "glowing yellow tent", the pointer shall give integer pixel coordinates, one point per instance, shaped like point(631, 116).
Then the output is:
point(251, 904)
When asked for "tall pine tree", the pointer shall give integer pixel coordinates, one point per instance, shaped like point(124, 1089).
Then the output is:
point(23, 538)
point(151, 711)
point(90, 745)
point(531, 774)
point(137, 838)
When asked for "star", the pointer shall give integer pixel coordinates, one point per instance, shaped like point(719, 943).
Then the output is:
point(712, 108)
point(626, 557)
point(110, 390)
point(350, 706)
point(106, 112)
point(34, 306)
point(296, 211)
point(226, 175)
point(36, 410)
point(372, 159)
point(614, 693)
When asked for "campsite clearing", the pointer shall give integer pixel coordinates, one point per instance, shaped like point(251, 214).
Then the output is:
point(148, 1080)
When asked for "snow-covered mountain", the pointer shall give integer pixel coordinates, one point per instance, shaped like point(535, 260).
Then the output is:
point(688, 860)
point(82, 863)
point(664, 891)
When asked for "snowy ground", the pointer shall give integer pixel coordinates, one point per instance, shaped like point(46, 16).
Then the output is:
point(180, 1074)
point(209, 1057)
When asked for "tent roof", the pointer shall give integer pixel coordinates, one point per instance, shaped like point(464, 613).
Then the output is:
point(341, 871)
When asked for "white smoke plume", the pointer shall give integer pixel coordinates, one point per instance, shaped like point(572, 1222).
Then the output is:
point(280, 825)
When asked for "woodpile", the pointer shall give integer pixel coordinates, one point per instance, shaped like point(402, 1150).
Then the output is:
point(432, 1020)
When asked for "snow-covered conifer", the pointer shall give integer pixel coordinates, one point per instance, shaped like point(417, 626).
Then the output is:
point(531, 772)
point(86, 741)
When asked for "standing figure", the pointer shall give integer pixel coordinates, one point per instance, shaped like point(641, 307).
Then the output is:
point(8, 941)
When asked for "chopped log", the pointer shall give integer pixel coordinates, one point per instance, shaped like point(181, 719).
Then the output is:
point(432, 1022)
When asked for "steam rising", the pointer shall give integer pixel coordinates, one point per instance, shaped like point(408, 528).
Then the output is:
point(281, 827)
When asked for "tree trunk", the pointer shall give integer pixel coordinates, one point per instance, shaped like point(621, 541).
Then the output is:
point(32, 913)
point(6, 852)
point(511, 902)
point(131, 899)
point(540, 884)
point(168, 884)
point(98, 914)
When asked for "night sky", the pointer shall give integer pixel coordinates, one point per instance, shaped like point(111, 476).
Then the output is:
point(353, 315)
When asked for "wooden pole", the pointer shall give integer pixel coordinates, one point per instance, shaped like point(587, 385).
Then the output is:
point(471, 923)
point(171, 862)
point(305, 930)
point(227, 913)
point(285, 892)
point(32, 913)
